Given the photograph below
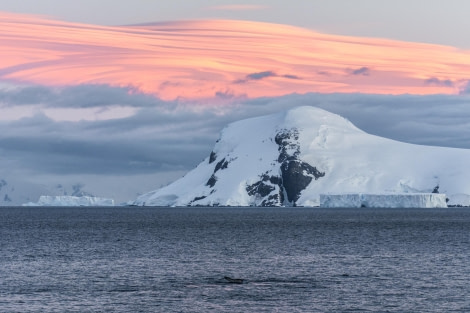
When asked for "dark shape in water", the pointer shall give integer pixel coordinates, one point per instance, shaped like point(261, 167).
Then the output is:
point(234, 280)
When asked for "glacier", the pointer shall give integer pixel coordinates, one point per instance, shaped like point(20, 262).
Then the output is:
point(292, 157)
point(71, 201)
point(398, 200)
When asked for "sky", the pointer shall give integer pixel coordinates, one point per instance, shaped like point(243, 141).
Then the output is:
point(432, 21)
point(126, 96)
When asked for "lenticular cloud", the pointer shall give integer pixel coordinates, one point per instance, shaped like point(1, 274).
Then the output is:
point(207, 58)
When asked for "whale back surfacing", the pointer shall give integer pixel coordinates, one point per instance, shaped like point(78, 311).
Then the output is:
point(234, 280)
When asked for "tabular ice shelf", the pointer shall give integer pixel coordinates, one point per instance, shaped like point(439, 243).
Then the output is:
point(71, 201)
point(400, 200)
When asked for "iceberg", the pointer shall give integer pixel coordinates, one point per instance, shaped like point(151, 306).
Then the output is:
point(71, 201)
point(401, 200)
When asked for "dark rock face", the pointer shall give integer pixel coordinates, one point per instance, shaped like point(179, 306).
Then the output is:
point(211, 182)
point(275, 180)
point(273, 200)
point(197, 199)
point(293, 176)
point(296, 176)
point(212, 157)
point(285, 183)
point(260, 188)
point(221, 165)
point(269, 188)
point(288, 145)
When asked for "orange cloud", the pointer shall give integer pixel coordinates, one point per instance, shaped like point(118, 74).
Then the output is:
point(204, 59)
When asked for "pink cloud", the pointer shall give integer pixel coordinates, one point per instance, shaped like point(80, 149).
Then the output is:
point(198, 59)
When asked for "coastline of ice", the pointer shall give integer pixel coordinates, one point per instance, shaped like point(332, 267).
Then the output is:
point(401, 200)
point(71, 201)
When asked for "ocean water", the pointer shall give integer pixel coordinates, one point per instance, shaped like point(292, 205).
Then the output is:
point(292, 259)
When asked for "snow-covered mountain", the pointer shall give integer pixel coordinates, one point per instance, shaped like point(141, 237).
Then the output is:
point(292, 157)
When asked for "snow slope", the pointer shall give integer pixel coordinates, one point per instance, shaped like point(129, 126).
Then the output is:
point(292, 157)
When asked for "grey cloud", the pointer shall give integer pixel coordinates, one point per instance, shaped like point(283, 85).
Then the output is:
point(263, 75)
point(438, 82)
point(80, 96)
point(291, 76)
point(167, 83)
point(230, 96)
point(260, 75)
point(27, 95)
point(152, 140)
point(364, 71)
point(227, 94)
point(101, 157)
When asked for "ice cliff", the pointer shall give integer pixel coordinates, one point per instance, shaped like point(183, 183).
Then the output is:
point(71, 201)
point(401, 200)
point(292, 157)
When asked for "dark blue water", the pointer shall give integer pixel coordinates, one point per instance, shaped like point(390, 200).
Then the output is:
point(293, 260)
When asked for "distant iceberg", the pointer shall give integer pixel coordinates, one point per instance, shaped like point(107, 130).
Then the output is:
point(71, 201)
point(396, 200)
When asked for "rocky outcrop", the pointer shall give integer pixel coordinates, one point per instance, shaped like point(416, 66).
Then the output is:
point(296, 175)
point(280, 186)
point(293, 175)
point(268, 191)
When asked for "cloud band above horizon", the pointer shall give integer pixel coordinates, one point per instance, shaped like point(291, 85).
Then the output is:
point(222, 59)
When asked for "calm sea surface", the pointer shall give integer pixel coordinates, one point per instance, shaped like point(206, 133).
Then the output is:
point(292, 260)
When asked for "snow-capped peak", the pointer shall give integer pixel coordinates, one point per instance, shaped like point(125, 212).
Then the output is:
point(292, 157)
